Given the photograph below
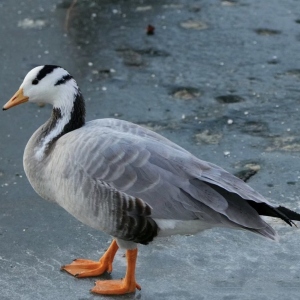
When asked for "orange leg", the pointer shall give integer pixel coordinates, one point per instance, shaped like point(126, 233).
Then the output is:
point(89, 268)
point(122, 286)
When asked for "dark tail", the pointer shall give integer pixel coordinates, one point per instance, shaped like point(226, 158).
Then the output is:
point(281, 212)
point(262, 208)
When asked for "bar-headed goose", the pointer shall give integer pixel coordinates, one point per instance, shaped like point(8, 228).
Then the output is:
point(128, 181)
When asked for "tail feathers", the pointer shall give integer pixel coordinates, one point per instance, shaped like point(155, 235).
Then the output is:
point(280, 212)
point(292, 215)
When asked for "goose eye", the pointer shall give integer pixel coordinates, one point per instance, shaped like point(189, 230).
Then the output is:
point(35, 81)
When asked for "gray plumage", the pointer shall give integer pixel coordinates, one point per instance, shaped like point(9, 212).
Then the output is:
point(128, 181)
point(90, 168)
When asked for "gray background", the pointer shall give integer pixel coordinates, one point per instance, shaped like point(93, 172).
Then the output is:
point(245, 50)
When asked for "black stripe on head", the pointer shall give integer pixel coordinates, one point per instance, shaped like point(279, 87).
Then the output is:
point(64, 79)
point(43, 73)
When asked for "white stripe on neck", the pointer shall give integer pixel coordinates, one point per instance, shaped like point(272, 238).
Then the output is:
point(65, 105)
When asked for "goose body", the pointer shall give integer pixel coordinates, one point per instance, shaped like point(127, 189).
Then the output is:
point(128, 181)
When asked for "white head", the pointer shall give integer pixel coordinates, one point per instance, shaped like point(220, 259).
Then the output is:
point(48, 84)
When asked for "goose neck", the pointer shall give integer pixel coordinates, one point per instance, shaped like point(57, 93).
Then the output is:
point(66, 117)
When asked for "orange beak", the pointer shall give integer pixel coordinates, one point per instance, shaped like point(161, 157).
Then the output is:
point(16, 99)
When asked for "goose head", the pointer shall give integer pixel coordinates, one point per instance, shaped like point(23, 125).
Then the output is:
point(53, 85)
point(48, 84)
